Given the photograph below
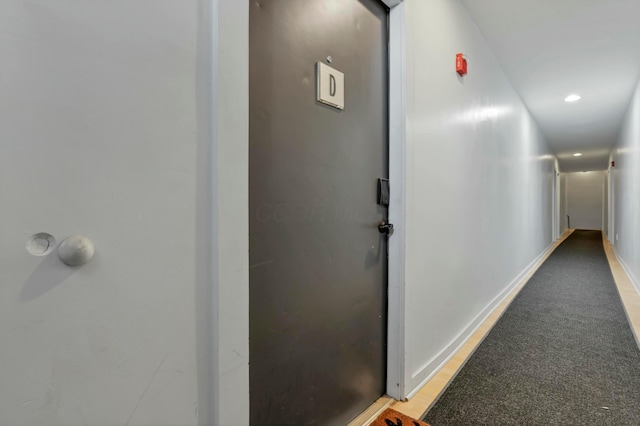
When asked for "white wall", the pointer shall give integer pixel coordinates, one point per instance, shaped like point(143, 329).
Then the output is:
point(109, 127)
point(584, 199)
point(626, 193)
point(478, 185)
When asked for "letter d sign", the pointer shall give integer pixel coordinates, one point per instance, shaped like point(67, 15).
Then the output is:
point(330, 86)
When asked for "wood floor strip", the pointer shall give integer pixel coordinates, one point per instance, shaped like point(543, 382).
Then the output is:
point(370, 414)
point(628, 293)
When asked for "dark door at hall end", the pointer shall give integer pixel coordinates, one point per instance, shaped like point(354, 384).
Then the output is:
point(318, 145)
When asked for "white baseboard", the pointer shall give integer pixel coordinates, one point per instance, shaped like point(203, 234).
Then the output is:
point(432, 367)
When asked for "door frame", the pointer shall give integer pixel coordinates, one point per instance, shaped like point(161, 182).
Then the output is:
point(558, 203)
point(554, 206)
point(222, 193)
point(396, 362)
point(222, 212)
point(612, 208)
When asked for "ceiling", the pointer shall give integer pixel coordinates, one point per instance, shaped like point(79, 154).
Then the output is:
point(550, 49)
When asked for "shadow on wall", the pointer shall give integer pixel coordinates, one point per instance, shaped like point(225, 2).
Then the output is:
point(50, 273)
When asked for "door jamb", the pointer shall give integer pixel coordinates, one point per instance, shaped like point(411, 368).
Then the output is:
point(557, 201)
point(222, 222)
point(554, 206)
point(396, 362)
point(223, 54)
point(612, 208)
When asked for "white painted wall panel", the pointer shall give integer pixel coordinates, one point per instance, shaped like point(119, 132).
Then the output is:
point(584, 199)
point(626, 191)
point(98, 137)
point(478, 184)
point(100, 128)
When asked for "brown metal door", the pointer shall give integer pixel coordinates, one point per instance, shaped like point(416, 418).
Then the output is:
point(318, 277)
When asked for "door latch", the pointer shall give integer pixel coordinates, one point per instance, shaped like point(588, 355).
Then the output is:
point(385, 228)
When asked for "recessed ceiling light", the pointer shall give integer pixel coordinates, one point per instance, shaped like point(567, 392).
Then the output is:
point(577, 154)
point(572, 98)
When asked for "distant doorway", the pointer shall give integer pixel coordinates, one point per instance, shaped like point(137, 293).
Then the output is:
point(611, 234)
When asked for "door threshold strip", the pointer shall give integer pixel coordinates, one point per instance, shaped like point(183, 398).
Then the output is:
point(370, 414)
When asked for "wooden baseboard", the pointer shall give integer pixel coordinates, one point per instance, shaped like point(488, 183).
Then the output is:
point(626, 288)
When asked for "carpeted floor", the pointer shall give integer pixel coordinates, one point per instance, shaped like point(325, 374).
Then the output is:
point(562, 354)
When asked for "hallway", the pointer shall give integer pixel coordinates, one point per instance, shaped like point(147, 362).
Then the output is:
point(234, 212)
point(562, 353)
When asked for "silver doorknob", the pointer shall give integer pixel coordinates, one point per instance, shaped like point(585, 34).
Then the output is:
point(76, 250)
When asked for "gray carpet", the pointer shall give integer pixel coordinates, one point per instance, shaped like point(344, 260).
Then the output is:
point(562, 354)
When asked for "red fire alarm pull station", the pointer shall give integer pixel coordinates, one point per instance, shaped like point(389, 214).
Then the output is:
point(613, 164)
point(461, 64)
